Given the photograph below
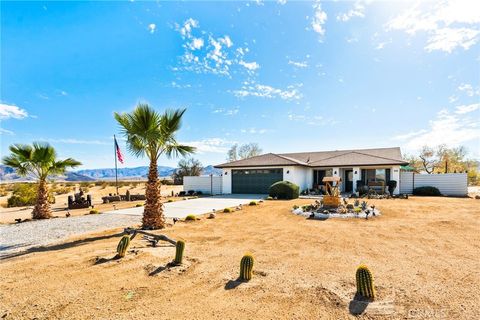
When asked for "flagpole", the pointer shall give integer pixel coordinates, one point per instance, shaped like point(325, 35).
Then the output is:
point(115, 156)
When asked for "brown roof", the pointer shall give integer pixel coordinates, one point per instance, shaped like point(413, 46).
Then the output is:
point(340, 158)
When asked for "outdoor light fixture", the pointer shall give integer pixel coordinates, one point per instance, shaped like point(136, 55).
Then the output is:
point(288, 171)
point(356, 172)
point(226, 173)
point(335, 172)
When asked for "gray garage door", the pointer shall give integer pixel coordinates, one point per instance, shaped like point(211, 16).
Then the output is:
point(255, 180)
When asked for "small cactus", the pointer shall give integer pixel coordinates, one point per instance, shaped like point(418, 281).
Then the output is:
point(180, 247)
point(246, 267)
point(356, 203)
point(364, 205)
point(365, 282)
point(123, 246)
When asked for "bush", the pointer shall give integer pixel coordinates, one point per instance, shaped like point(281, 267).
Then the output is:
point(295, 207)
point(94, 211)
point(139, 205)
point(25, 194)
point(252, 203)
point(427, 191)
point(227, 210)
point(284, 190)
point(170, 200)
point(190, 217)
point(269, 198)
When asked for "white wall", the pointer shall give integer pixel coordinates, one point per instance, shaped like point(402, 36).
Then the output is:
point(395, 175)
point(297, 175)
point(226, 181)
point(449, 184)
point(205, 184)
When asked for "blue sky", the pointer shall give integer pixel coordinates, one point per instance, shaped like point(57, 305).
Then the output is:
point(291, 76)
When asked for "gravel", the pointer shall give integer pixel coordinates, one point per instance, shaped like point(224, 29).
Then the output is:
point(23, 236)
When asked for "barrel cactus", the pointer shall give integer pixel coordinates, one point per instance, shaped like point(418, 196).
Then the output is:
point(180, 247)
point(246, 267)
point(123, 246)
point(365, 282)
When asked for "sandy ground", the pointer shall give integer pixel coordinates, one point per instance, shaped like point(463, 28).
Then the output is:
point(423, 253)
point(59, 208)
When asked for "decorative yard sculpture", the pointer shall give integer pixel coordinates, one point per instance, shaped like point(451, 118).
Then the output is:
point(78, 201)
point(332, 192)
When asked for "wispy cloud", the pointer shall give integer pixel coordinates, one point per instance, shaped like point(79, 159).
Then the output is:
point(77, 141)
point(227, 112)
point(312, 120)
point(448, 24)
point(467, 108)
point(298, 64)
point(6, 132)
point(8, 111)
point(449, 128)
point(207, 53)
point(253, 89)
point(318, 20)
point(152, 27)
point(468, 89)
point(211, 145)
point(358, 10)
point(254, 131)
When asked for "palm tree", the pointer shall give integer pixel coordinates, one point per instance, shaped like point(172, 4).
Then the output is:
point(39, 160)
point(152, 134)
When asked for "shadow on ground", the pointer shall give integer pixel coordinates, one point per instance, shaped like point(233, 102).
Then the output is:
point(232, 284)
point(61, 246)
point(358, 305)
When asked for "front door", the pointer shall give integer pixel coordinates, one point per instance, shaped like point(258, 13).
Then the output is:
point(348, 180)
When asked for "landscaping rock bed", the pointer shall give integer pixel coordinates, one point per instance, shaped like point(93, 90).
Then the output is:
point(318, 210)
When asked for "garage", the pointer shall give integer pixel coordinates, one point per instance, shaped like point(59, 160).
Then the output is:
point(255, 181)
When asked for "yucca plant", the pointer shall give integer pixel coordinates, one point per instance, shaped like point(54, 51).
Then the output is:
point(40, 161)
point(152, 134)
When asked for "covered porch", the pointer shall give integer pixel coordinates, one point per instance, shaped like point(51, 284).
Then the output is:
point(376, 177)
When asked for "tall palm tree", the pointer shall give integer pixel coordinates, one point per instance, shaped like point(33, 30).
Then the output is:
point(39, 160)
point(152, 134)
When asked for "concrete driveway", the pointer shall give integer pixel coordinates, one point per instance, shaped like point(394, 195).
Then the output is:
point(182, 208)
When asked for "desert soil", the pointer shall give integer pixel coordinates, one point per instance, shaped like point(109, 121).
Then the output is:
point(423, 253)
point(59, 208)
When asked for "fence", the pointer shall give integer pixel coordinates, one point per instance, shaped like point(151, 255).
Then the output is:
point(449, 184)
point(207, 184)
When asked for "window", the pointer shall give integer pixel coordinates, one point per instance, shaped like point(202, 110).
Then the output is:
point(375, 175)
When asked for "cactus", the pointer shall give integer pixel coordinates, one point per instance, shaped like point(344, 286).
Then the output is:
point(180, 247)
point(365, 282)
point(123, 246)
point(246, 267)
point(356, 203)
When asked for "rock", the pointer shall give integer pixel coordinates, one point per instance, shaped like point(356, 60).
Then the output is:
point(477, 197)
point(211, 216)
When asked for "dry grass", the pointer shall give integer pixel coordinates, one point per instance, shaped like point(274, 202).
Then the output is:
point(423, 253)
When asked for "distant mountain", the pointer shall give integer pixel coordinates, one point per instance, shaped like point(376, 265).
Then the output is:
point(9, 174)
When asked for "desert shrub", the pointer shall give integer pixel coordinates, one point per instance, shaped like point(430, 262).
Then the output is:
point(166, 182)
point(190, 217)
point(25, 194)
point(169, 200)
point(61, 189)
point(427, 191)
point(228, 210)
point(139, 205)
point(3, 192)
point(269, 198)
point(94, 211)
point(252, 203)
point(295, 207)
point(84, 184)
point(284, 190)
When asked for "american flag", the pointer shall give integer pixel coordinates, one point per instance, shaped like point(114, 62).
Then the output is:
point(119, 152)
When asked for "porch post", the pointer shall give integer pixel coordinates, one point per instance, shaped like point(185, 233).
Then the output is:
point(395, 175)
point(356, 176)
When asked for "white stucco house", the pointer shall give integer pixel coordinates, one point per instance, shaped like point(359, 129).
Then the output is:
point(307, 169)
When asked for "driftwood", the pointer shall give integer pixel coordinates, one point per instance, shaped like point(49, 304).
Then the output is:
point(152, 238)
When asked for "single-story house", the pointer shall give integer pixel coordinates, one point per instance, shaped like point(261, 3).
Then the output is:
point(307, 169)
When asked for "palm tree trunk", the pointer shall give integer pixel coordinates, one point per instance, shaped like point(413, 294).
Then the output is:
point(153, 217)
point(42, 207)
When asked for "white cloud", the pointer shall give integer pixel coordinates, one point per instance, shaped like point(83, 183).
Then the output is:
point(446, 127)
point(251, 66)
point(312, 120)
point(152, 27)
point(358, 10)
point(282, 2)
point(468, 89)
point(8, 111)
point(77, 141)
point(6, 132)
point(213, 145)
point(264, 91)
point(319, 19)
point(467, 108)
point(448, 24)
point(206, 53)
point(227, 112)
point(298, 64)
point(254, 131)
